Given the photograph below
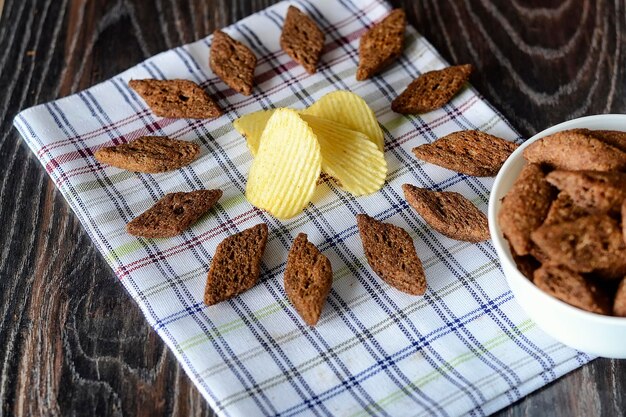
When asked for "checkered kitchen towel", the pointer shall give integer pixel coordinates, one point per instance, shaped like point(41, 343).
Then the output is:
point(464, 347)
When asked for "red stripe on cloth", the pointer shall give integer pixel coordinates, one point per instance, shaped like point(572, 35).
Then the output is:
point(162, 255)
point(261, 78)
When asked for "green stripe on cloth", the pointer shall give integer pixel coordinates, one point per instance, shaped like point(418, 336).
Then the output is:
point(463, 347)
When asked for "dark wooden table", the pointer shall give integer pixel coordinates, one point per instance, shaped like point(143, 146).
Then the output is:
point(73, 343)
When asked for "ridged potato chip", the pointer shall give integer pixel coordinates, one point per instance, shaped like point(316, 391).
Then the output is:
point(251, 126)
point(350, 110)
point(288, 162)
point(349, 156)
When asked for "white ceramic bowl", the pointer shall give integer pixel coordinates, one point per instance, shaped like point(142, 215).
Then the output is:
point(589, 332)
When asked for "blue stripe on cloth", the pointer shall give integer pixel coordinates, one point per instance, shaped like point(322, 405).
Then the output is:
point(306, 99)
point(461, 126)
point(64, 124)
point(463, 348)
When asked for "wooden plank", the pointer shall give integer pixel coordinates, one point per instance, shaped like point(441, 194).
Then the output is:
point(73, 343)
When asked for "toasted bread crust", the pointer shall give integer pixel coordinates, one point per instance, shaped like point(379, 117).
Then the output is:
point(432, 90)
point(173, 213)
point(449, 213)
point(382, 44)
point(236, 265)
point(469, 152)
point(308, 278)
point(390, 252)
point(302, 39)
point(150, 154)
point(233, 62)
point(176, 99)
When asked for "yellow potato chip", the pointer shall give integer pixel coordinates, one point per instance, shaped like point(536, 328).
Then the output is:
point(350, 110)
point(349, 156)
point(251, 126)
point(286, 167)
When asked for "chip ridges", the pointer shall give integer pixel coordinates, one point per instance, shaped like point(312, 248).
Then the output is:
point(236, 265)
point(431, 90)
point(572, 288)
point(233, 62)
point(575, 150)
point(302, 39)
point(173, 213)
point(449, 213)
point(308, 278)
point(149, 154)
point(382, 44)
point(349, 156)
point(524, 208)
point(470, 152)
point(351, 110)
point(177, 99)
point(391, 255)
point(287, 165)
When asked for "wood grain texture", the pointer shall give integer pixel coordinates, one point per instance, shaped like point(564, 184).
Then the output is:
point(73, 343)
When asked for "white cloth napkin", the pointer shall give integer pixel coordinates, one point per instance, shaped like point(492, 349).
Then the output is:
point(464, 347)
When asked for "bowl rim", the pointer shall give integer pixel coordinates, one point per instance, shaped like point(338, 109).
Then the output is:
point(501, 245)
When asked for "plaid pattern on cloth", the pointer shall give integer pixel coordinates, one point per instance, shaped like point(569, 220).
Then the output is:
point(465, 347)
